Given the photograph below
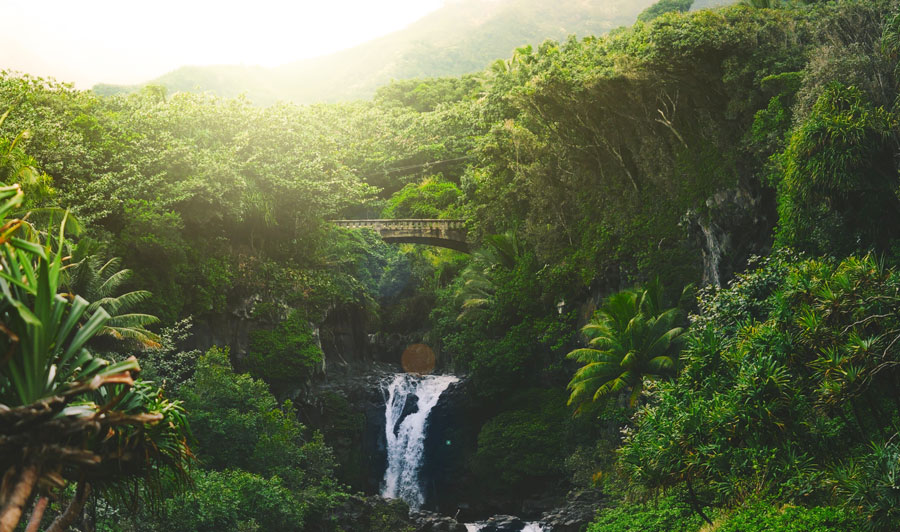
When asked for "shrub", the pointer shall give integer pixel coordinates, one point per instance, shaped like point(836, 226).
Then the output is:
point(239, 424)
point(232, 500)
point(518, 447)
point(662, 515)
point(763, 517)
point(288, 352)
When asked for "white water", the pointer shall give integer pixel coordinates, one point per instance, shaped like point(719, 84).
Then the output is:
point(406, 442)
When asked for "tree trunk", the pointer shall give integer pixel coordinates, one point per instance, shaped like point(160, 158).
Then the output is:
point(37, 514)
point(695, 504)
point(73, 510)
point(11, 512)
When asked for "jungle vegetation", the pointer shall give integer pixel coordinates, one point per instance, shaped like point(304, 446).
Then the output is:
point(750, 151)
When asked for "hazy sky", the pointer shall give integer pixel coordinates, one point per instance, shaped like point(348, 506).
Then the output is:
point(129, 41)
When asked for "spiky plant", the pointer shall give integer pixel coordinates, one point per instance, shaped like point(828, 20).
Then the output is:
point(65, 414)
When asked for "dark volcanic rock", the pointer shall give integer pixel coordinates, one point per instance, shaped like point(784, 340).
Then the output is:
point(425, 521)
point(358, 513)
point(449, 436)
point(503, 523)
point(410, 407)
point(735, 224)
point(347, 405)
point(580, 509)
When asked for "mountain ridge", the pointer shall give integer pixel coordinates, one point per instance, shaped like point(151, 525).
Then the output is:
point(462, 37)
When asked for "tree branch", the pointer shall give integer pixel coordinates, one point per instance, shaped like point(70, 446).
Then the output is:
point(11, 511)
point(37, 514)
point(73, 510)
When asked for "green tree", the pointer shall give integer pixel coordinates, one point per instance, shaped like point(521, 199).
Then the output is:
point(632, 338)
point(498, 252)
point(665, 6)
point(433, 197)
point(232, 500)
point(837, 193)
point(239, 425)
point(787, 391)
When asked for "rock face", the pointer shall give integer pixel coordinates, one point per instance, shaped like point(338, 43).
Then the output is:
point(426, 521)
point(227, 329)
point(373, 514)
point(580, 509)
point(735, 224)
point(347, 405)
point(343, 337)
point(449, 436)
point(503, 523)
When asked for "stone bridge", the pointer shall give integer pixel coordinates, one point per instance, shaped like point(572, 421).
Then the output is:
point(442, 233)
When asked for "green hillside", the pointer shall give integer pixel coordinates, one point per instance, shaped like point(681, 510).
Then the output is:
point(463, 36)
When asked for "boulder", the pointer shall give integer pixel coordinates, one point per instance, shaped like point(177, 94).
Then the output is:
point(503, 523)
point(580, 508)
point(374, 514)
point(426, 521)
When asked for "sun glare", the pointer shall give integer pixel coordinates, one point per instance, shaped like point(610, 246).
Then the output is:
point(129, 42)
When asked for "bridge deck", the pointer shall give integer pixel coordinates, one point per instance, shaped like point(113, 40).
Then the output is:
point(443, 233)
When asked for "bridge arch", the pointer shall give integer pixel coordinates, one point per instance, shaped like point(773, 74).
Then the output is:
point(441, 233)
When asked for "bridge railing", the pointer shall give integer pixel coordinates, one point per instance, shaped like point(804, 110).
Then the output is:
point(401, 224)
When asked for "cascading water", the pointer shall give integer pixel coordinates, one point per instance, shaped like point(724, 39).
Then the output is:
point(406, 435)
point(712, 255)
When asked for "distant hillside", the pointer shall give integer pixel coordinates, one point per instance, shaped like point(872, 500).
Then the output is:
point(708, 4)
point(463, 36)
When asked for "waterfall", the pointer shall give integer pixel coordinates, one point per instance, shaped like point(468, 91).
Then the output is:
point(409, 403)
point(712, 255)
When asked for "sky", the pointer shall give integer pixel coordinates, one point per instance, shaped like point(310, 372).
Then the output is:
point(131, 41)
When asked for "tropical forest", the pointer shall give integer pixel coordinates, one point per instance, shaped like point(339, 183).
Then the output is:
point(572, 266)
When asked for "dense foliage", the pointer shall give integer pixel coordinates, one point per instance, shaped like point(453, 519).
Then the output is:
point(589, 173)
point(788, 382)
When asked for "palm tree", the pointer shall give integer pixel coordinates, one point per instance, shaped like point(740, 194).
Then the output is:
point(477, 292)
point(631, 338)
point(100, 282)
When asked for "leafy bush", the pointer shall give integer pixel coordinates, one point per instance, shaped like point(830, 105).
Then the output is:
point(662, 515)
point(838, 191)
point(238, 424)
point(778, 382)
point(166, 364)
point(764, 517)
point(288, 352)
point(871, 483)
point(232, 500)
point(520, 448)
point(434, 197)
